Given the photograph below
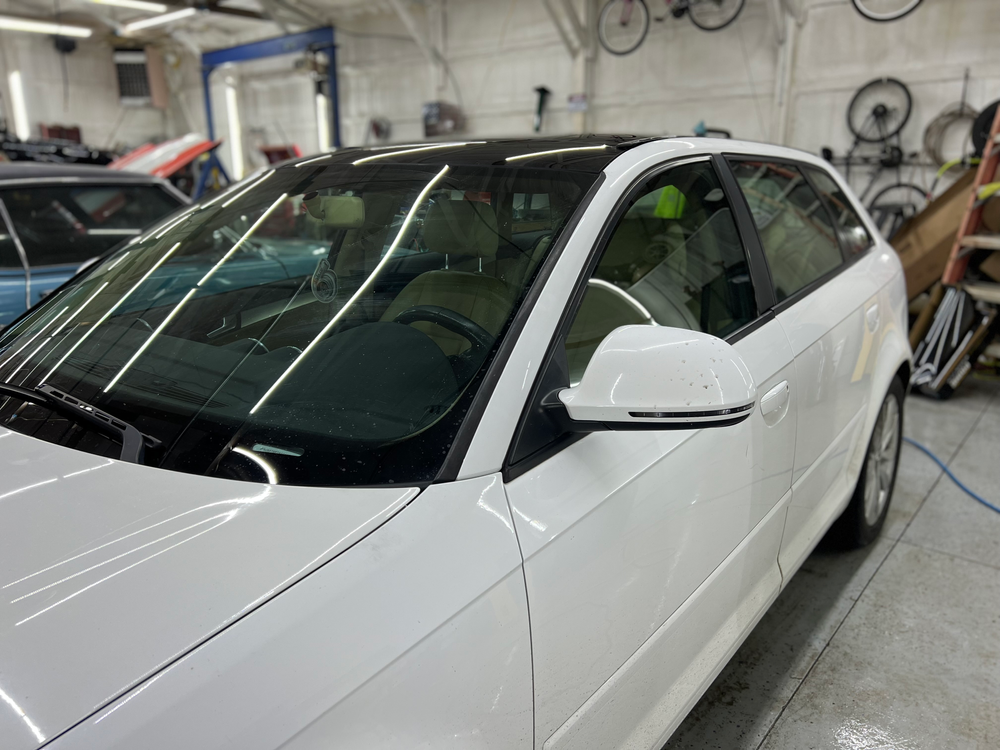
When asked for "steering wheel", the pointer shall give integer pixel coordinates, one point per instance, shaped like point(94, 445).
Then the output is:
point(478, 337)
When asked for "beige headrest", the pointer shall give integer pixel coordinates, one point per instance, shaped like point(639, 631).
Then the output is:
point(461, 228)
point(337, 211)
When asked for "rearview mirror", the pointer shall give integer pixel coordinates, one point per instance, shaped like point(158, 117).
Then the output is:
point(654, 377)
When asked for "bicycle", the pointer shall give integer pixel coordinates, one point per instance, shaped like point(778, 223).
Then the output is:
point(885, 10)
point(876, 114)
point(623, 24)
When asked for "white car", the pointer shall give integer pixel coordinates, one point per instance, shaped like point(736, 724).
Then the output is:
point(517, 463)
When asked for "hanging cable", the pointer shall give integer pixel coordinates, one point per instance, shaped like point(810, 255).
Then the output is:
point(937, 129)
point(951, 476)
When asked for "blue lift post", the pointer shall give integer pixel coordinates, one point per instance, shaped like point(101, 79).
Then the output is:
point(315, 40)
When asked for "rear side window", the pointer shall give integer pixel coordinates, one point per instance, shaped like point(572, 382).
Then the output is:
point(8, 250)
point(795, 229)
point(69, 224)
point(854, 238)
point(674, 259)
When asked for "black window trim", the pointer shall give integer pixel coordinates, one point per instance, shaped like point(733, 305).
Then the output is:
point(511, 471)
point(848, 257)
point(812, 286)
point(452, 465)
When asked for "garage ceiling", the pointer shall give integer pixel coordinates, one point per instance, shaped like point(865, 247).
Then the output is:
point(224, 22)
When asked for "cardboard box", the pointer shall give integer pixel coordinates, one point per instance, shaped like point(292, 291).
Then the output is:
point(925, 241)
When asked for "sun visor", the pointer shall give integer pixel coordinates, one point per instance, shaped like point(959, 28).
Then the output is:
point(338, 211)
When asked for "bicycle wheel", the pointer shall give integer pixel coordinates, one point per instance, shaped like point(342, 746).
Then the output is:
point(623, 25)
point(894, 204)
point(879, 110)
point(885, 10)
point(981, 128)
point(712, 15)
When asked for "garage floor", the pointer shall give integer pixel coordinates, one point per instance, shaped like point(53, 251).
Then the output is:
point(893, 647)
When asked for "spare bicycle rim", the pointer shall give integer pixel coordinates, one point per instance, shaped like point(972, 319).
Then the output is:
point(712, 15)
point(879, 110)
point(623, 25)
point(885, 10)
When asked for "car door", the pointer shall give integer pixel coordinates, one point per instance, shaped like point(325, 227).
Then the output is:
point(648, 555)
point(13, 275)
point(827, 309)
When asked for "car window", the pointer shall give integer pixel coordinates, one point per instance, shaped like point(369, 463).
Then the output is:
point(328, 323)
point(795, 229)
point(69, 224)
point(854, 238)
point(674, 259)
point(9, 257)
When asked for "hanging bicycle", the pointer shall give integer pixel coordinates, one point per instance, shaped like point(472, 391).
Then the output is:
point(623, 24)
point(877, 113)
point(885, 10)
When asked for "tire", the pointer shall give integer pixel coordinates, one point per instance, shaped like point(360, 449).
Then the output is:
point(981, 128)
point(712, 15)
point(620, 38)
point(872, 116)
point(874, 10)
point(862, 520)
point(894, 204)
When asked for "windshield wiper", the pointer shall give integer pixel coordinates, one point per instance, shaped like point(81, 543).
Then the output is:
point(133, 442)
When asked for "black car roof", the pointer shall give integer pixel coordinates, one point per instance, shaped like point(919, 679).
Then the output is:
point(581, 153)
point(30, 170)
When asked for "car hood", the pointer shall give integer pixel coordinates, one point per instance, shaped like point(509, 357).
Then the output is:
point(110, 571)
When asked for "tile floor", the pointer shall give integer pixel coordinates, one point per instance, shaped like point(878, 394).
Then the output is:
point(893, 647)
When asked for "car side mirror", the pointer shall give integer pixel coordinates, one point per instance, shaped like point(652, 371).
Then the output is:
point(654, 377)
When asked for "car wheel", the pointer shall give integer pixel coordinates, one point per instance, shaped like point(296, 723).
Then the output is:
point(862, 521)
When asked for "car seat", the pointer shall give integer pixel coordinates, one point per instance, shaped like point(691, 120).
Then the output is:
point(458, 230)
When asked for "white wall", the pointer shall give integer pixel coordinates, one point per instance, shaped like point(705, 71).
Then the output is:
point(500, 50)
point(92, 101)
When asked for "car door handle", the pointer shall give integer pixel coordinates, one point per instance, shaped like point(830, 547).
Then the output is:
point(871, 315)
point(775, 398)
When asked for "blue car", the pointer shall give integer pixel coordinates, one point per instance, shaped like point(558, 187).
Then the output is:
point(54, 218)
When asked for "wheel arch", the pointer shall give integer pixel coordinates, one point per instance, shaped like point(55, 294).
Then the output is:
point(893, 360)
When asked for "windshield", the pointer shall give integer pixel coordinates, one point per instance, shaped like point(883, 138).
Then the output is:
point(323, 325)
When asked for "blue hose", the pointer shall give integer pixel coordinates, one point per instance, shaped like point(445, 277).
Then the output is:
point(951, 476)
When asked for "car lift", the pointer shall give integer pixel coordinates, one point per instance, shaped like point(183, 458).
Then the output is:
point(316, 40)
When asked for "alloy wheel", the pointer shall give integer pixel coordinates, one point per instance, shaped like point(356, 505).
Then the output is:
point(882, 456)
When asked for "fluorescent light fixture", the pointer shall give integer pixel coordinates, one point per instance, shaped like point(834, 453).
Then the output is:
point(246, 190)
point(361, 289)
point(56, 332)
point(40, 332)
point(314, 159)
point(239, 243)
point(323, 121)
point(414, 151)
point(235, 131)
point(184, 215)
point(114, 307)
point(555, 151)
point(21, 127)
point(148, 23)
point(134, 4)
point(190, 294)
point(14, 23)
point(149, 340)
point(272, 476)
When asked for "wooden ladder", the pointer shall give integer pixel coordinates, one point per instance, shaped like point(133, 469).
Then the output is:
point(970, 237)
point(940, 369)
